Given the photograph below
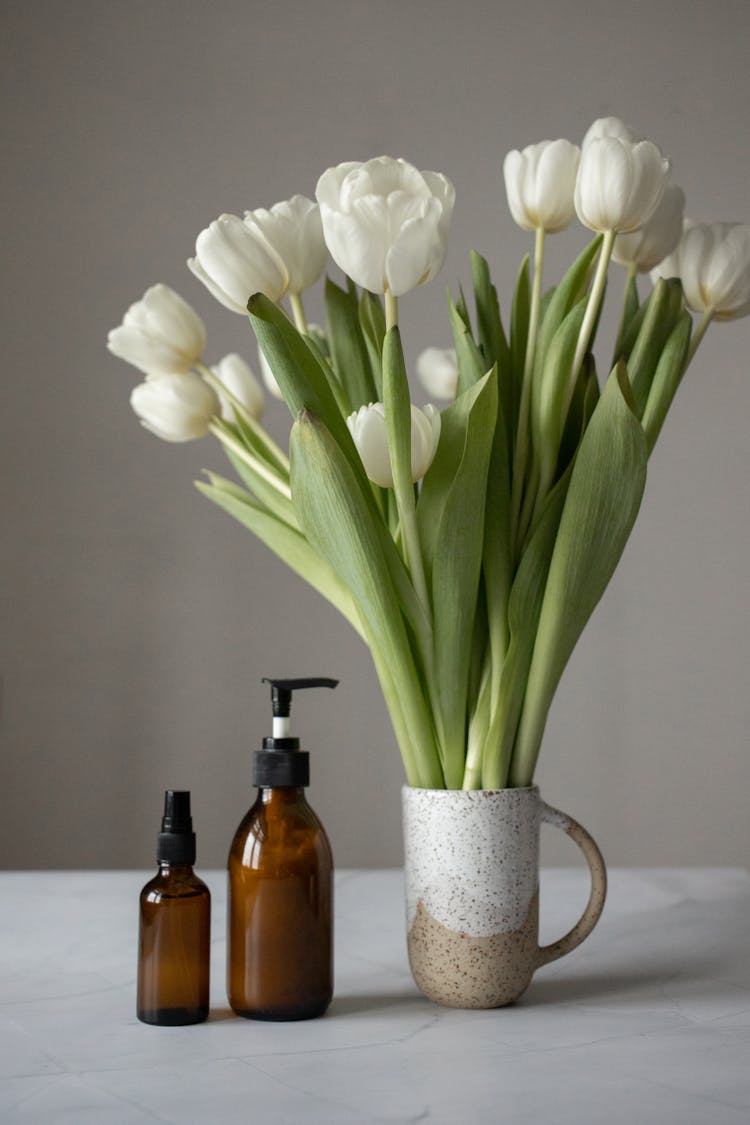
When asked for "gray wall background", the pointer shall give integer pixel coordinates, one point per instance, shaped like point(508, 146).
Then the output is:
point(137, 620)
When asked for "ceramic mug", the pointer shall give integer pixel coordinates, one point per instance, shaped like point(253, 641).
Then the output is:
point(471, 862)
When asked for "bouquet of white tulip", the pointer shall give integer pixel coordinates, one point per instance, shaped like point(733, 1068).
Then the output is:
point(468, 548)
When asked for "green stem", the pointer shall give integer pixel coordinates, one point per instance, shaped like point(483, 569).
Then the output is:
point(275, 453)
point(522, 436)
point(219, 430)
point(300, 320)
point(592, 311)
point(699, 333)
point(391, 310)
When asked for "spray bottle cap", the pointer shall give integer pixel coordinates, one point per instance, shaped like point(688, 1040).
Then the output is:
point(281, 763)
point(176, 841)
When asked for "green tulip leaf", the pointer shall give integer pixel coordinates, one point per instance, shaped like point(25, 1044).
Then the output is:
point(372, 321)
point(300, 370)
point(284, 541)
point(551, 404)
point(602, 501)
point(456, 568)
point(348, 347)
point(519, 329)
point(667, 377)
point(344, 532)
point(524, 607)
point(664, 309)
point(630, 307)
point(469, 359)
point(454, 424)
point(493, 342)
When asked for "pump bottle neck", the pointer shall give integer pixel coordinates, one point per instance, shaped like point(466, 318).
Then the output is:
point(281, 795)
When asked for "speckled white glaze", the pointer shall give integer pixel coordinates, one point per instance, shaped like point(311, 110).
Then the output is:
point(471, 857)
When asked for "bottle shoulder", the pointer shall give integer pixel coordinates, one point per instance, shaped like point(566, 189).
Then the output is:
point(175, 883)
point(273, 829)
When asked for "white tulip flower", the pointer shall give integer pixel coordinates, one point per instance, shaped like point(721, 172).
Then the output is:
point(712, 260)
point(238, 378)
point(619, 184)
point(175, 407)
point(160, 334)
point(437, 370)
point(540, 182)
point(295, 231)
point(645, 248)
point(385, 222)
point(235, 260)
point(609, 127)
point(368, 428)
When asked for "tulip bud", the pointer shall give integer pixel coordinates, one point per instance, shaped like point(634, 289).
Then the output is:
point(237, 378)
point(294, 229)
point(540, 182)
point(619, 183)
point(712, 260)
point(235, 260)
point(175, 407)
point(160, 334)
point(367, 427)
point(437, 370)
point(385, 223)
point(648, 246)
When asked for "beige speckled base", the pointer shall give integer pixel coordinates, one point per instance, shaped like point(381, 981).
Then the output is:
point(460, 971)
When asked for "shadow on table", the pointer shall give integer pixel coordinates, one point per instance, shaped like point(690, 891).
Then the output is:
point(587, 986)
point(376, 1002)
point(343, 1005)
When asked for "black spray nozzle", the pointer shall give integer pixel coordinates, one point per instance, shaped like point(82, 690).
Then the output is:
point(176, 841)
point(281, 691)
point(177, 816)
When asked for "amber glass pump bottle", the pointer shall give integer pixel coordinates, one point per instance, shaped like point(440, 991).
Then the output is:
point(175, 926)
point(280, 895)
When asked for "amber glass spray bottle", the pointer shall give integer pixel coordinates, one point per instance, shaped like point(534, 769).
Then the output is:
point(280, 895)
point(175, 926)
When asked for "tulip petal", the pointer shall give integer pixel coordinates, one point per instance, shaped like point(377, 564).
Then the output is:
point(357, 242)
point(417, 253)
point(328, 189)
point(294, 230)
point(175, 407)
point(240, 381)
point(215, 290)
point(152, 356)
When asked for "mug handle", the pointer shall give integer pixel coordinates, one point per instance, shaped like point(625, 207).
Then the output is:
point(595, 905)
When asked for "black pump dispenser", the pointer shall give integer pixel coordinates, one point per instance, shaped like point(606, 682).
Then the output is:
point(176, 843)
point(281, 763)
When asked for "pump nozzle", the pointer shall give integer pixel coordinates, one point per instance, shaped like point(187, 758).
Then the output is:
point(281, 691)
point(281, 762)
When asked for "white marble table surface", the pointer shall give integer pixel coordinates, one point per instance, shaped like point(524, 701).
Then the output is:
point(648, 1021)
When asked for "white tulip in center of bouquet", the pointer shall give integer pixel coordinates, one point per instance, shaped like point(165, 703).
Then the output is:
point(468, 546)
